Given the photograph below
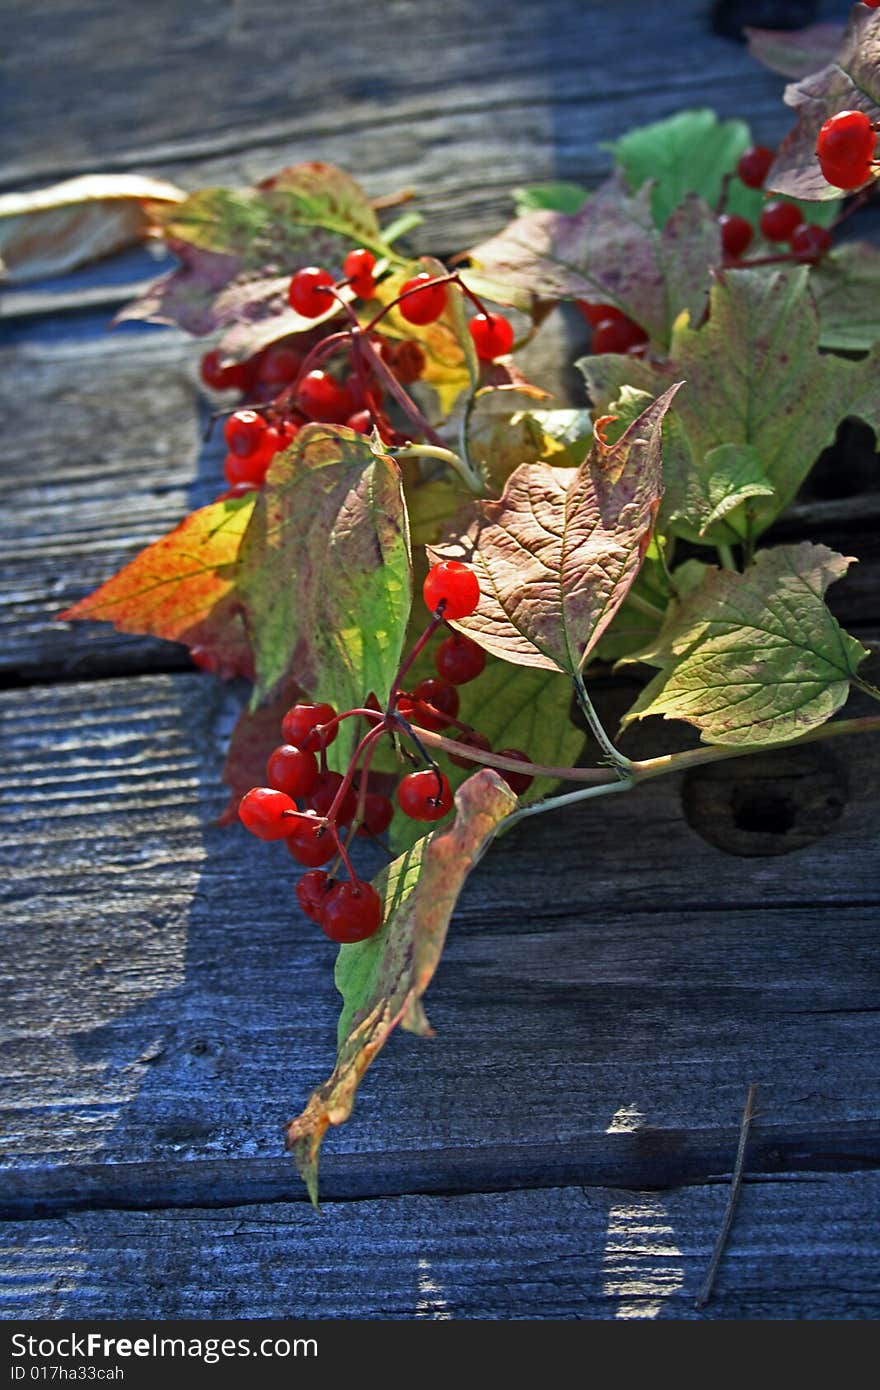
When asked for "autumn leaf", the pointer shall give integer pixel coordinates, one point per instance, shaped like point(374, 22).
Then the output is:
point(850, 81)
point(755, 658)
point(795, 52)
point(53, 230)
point(325, 576)
point(383, 979)
point(557, 554)
point(610, 252)
point(846, 288)
point(256, 733)
point(184, 587)
point(755, 378)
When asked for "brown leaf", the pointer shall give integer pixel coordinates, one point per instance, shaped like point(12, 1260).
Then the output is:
point(55, 229)
point(257, 732)
point(795, 52)
point(383, 979)
point(557, 554)
point(851, 82)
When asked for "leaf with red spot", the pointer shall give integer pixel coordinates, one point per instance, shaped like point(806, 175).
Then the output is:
point(184, 587)
point(557, 553)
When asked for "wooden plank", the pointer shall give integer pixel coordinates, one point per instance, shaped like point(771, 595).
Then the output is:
point(460, 101)
point(608, 974)
point(111, 427)
point(801, 1248)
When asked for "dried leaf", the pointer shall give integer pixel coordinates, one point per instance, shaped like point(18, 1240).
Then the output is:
point(558, 552)
point(795, 52)
point(55, 229)
point(184, 587)
point(383, 979)
point(755, 658)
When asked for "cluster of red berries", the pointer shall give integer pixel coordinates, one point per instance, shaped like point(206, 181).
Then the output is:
point(612, 330)
point(779, 221)
point(845, 150)
point(317, 812)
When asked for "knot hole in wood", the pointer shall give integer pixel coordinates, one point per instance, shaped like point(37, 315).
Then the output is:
point(772, 803)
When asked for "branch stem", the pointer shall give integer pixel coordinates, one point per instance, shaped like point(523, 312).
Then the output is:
point(705, 1293)
point(621, 764)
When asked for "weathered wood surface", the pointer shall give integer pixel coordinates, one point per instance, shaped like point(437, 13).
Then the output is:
point(168, 1007)
point(802, 1247)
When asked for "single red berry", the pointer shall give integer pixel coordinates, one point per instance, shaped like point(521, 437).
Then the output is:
point(441, 696)
point(310, 841)
point(778, 220)
point(311, 889)
point(473, 739)
point(358, 270)
point(378, 813)
point(292, 770)
point(287, 432)
point(362, 421)
point(307, 291)
point(266, 813)
point(518, 782)
point(492, 335)
point(753, 165)
point(617, 335)
point(596, 313)
point(845, 147)
point(810, 243)
point(408, 361)
point(248, 472)
point(305, 726)
point(424, 795)
point(351, 912)
point(736, 233)
point(204, 659)
point(320, 396)
point(243, 432)
point(455, 586)
point(323, 794)
point(459, 660)
point(422, 305)
point(280, 365)
point(236, 376)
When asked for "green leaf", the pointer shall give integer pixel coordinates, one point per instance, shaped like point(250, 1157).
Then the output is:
point(326, 574)
point(610, 252)
point(755, 658)
point(184, 587)
point(689, 152)
point(558, 552)
point(732, 474)
point(846, 287)
point(383, 979)
point(755, 377)
point(551, 197)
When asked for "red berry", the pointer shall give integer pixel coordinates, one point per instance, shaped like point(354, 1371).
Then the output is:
point(292, 770)
point(736, 233)
point(459, 660)
point(845, 147)
point(280, 365)
point(311, 890)
point(473, 739)
point(753, 165)
point(304, 725)
point(422, 305)
point(321, 397)
point(455, 586)
point(307, 291)
point(310, 841)
point(358, 270)
point(378, 813)
point(778, 220)
point(243, 432)
point(351, 912)
point(492, 335)
point(247, 472)
point(595, 313)
point(205, 660)
point(362, 421)
point(408, 361)
point(323, 794)
point(617, 335)
point(809, 242)
point(518, 782)
point(432, 705)
point(234, 377)
point(421, 797)
point(267, 813)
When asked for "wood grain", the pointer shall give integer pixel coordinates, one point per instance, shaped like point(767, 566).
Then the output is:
point(800, 1248)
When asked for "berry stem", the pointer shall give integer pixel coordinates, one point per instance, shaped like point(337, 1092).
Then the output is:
point(471, 479)
point(621, 764)
point(383, 372)
point(415, 651)
point(369, 738)
point(725, 555)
